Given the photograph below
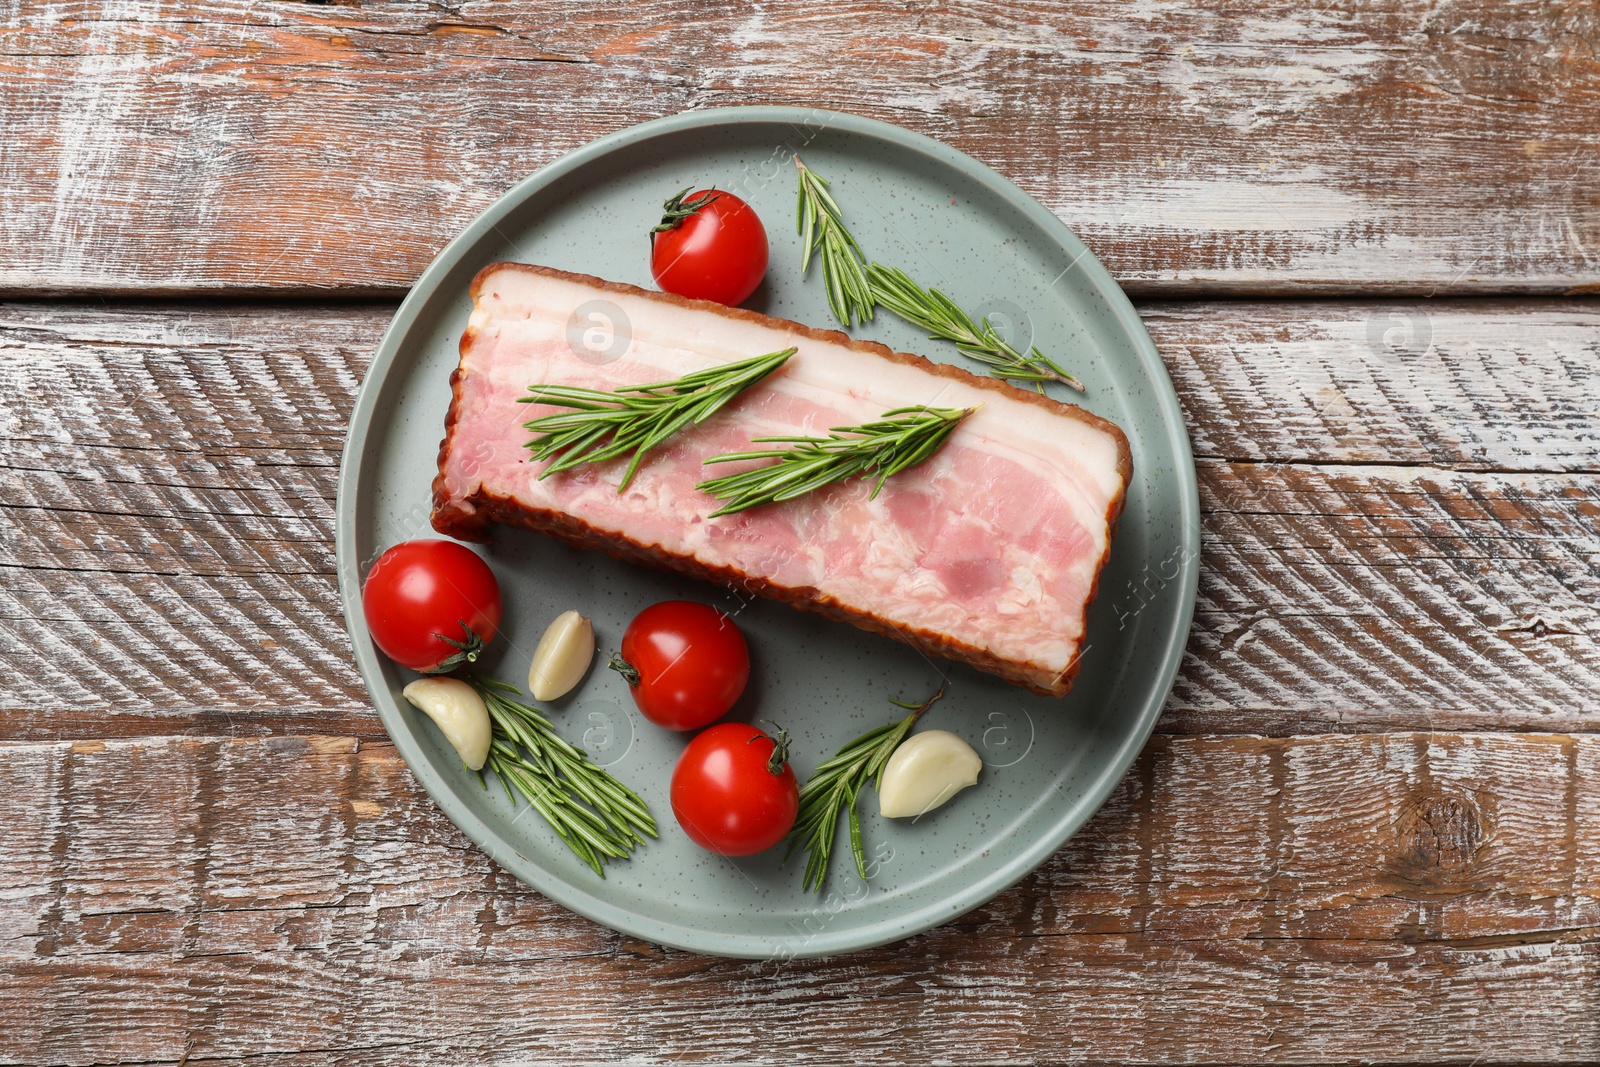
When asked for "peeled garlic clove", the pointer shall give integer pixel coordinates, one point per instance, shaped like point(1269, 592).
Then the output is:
point(564, 654)
point(458, 711)
point(925, 771)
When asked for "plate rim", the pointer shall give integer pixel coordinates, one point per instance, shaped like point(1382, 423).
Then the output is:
point(592, 905)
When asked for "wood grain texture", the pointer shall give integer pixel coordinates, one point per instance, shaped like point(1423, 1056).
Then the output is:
point(168, 483)
point(209, 852)
point(1400, 898)
point(1491, 385)
point(1396, 145)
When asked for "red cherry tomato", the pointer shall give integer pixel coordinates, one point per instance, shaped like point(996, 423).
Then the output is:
point(686, 663)
point(733, 791)
point(710, 246)
point(431, 605)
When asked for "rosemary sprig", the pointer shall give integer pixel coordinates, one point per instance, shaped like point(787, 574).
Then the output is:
point(944, 320)
point(833, 788)
point(597, 816)
point(822, 231)
point(635, 418)
point(855, 289)
point(902, 438)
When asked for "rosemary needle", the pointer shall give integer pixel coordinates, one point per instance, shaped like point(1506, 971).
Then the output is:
point(597, 816)
point(823, 232)
point(632, 420)
point(902, 438)
point(832, 791)
point(945, 321)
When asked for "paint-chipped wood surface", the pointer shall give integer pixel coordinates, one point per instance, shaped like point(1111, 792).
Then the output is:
point(1419, 898)
point(1397, 538)
point(1423, 146)
point(1392, 539)
point(1369, 827)
point(212, 848)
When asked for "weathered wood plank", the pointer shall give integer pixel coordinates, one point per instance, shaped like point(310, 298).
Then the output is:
point(1402, 898)
point(1470, 385)
point(168, 489)
point(1498, 385)
point(180, 145)
point(1332, 598)
point(1379, 597)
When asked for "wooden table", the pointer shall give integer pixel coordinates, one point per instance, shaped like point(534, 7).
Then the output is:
point(1368, 828)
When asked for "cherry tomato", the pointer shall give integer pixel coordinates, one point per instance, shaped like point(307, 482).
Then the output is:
point(709, 246)
point(733, 791)
point(431, 605)
point(685, 663)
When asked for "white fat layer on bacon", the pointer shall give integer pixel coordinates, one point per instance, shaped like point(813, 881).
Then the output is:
point(995, 541)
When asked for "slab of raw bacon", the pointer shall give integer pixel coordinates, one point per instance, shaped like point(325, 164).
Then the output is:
point(989, 552)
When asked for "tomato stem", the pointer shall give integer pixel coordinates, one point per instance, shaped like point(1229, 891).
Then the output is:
point(466, 654)
point(676, 209)
point(780, 746)
point(626, 669)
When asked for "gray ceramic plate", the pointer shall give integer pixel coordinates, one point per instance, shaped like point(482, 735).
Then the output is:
point(952, 223)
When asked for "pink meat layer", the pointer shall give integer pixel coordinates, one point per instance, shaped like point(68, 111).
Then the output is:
point(989, 552)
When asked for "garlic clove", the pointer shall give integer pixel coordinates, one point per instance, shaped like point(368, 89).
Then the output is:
point(925, 771)
point(458, 711)
point(563, 656)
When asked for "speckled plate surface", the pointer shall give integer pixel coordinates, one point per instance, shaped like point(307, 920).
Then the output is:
point(952, 223)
